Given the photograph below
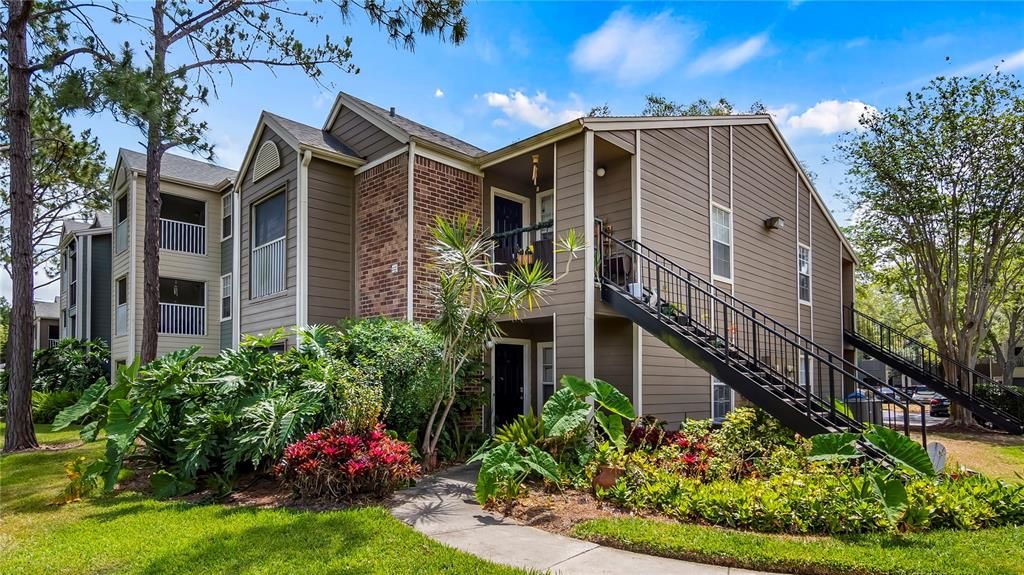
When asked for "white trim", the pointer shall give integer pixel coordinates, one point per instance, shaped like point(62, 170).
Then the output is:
point(525, 344)
point(220, 303)
point(538, 200)
point(810, 255)
point(810, 274)
point(428, 154)
point(525, 201)
point(588, 257)
point(532, 143)
point(388, 156)
point(732, 243)
point(236, 266)
point(638, 335)
point(796, 195)
point(539, 383)
point(132, 264)
point(302, 249)
point(230, 202)
point(732, 397)
point(409, 210)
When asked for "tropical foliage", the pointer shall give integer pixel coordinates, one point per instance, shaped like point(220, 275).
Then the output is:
point(339, 461)
point(70, 365)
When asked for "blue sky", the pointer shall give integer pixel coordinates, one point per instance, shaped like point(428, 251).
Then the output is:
point(528, 66)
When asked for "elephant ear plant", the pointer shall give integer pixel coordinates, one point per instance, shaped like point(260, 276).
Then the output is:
point(884, 483)
point(580, 413)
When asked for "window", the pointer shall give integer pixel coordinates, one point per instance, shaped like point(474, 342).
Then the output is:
point(546, 372)
point(72, 270)
point(545, 213)
point(804, 269)
point(721, 243)
point(721, 399)
point(225, 297)
point(268, 247)
point(225, 216)
point(121, 222)
point(121, 310)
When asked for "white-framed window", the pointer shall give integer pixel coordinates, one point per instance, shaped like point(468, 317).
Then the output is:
point(121, 309)
point(545, 213)
point(225, 297)
point(268, 257)
point(545, 372)
point(803, 259)
point(121, 223)
point(722, 400)
point(721, 243)
point(226, 209)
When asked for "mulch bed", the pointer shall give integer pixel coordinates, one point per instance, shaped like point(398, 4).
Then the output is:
point(560, 512)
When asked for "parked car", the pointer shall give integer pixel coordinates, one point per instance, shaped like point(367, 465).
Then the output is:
point(924, 395)
point(938, 407)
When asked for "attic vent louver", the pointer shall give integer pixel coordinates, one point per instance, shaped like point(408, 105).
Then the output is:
point(268, 159)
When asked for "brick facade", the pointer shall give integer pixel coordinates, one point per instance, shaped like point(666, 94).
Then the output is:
point(439, 190)
point(381, 226)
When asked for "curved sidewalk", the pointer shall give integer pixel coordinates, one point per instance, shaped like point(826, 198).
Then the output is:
point(443, 508)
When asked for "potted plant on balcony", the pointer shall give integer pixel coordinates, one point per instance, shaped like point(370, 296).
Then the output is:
point(525, 256)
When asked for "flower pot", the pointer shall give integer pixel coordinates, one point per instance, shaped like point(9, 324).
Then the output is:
point(607, 475)
point(524, 259)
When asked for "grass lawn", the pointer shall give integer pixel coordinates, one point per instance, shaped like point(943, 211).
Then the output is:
point(991, 551)
point(134, 534)
point(994, 454)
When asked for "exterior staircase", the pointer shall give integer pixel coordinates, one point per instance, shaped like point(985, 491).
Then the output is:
point(808, 388)
point(1000, 404)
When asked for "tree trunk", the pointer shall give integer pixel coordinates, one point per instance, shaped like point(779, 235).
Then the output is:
point(20, 434)
point(154, 154)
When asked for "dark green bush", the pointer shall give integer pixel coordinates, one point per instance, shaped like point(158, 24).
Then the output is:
point(47, 404)
point(404, 358)
point(71, 365)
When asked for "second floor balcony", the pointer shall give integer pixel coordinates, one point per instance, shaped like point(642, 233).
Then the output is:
point(182, 225)
point(524, 246)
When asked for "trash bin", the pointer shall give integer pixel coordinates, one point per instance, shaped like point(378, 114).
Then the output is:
point(865, 409)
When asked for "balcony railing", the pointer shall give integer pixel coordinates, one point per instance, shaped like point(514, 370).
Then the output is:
point(182, 237)
point(181, 319)
point(52, 342)
point(524, 246)
point(121, 319)
point(268, 268)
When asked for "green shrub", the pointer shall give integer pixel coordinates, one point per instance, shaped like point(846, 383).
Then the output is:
point(46, 405)
point(71, 365)
point(404, 358)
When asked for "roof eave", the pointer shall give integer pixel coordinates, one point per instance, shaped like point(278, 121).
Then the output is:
point(559, 132)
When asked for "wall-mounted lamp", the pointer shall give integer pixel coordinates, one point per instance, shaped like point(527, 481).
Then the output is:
point(601, 172)
point(489, 344)
point(774, 223)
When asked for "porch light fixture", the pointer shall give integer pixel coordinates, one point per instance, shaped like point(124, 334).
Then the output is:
point(774, 223)
point(535, 172)
point(489, 344)
point(600, 172)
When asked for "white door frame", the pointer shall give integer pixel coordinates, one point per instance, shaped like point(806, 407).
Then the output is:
point(541, 346)
point(732, 396)
point(525, 201)
point(525, 344)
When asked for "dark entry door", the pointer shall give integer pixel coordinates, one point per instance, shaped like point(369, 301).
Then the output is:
point(508, 382)
point(508, 216)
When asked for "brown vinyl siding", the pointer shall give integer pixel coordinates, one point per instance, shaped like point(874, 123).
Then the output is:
point(331, 250)
point(764, 183)
point(275, 311)
point(613, 197)
point(720, 165)
point(826, 290)
point(361, 135)
point(613, 353)
point(567, 299)
point(621, 138)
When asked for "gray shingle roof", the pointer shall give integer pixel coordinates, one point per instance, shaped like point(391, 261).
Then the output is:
point(310, 136)
point(427, 133)
point(103, 220)
point(181, 168)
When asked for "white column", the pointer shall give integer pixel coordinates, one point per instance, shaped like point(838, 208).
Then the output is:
point(588, 257)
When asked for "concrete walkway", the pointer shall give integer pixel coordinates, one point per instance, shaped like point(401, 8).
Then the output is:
point(443, 508)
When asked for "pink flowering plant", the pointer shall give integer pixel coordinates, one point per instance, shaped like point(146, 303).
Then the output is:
point(336, 463)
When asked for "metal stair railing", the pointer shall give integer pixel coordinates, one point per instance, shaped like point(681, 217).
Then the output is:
point(927, 362)
point(820, 383)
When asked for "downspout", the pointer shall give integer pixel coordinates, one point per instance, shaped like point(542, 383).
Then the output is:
point(301, 261)
point(236, 264)
point(409, 233)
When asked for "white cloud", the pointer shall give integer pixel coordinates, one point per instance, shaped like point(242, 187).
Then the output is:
point(538, 111)
point(227, 151)
point(831, 116)
point(633, 49)
point(781, 113)
point(438, 93)
point(1006, 63)
point(857, 42)
point(727, 58)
